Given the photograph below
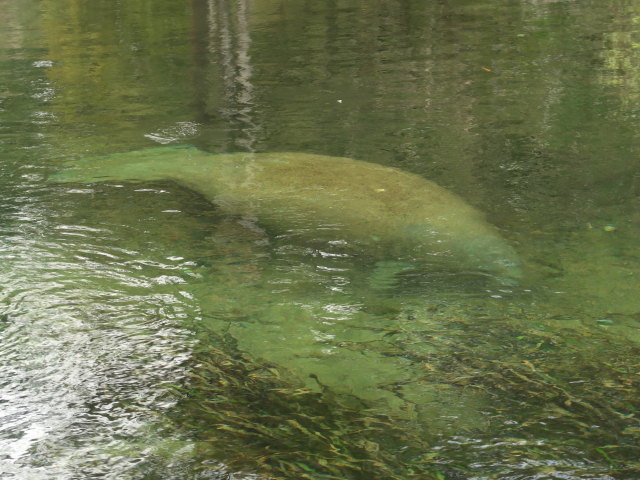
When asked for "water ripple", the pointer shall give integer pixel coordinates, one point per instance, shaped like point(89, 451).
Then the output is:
point(86, 341)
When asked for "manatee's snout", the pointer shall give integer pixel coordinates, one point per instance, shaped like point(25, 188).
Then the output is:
point(508, 272)
point(494, 255)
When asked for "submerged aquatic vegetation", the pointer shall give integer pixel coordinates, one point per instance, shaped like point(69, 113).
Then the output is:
point(249, 415)
point(562, 403)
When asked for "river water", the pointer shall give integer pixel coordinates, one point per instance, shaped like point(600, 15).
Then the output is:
point(146, 334)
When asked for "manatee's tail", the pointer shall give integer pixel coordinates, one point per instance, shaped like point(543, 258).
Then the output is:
point(145, 164)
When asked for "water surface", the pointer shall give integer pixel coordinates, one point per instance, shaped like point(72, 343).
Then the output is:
point(145, 334)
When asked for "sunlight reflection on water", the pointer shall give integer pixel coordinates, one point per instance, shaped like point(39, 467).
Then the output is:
point(82, 356)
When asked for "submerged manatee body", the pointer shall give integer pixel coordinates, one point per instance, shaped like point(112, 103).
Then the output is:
point(381, 211)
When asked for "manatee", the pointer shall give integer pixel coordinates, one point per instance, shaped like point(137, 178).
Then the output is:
point(379, 211)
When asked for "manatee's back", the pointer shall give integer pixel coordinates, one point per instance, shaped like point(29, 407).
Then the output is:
point(382, 209)
point(366, 200)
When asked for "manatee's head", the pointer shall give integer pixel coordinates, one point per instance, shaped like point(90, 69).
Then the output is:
point(493, 255)
point(139, 165)
point(476, 249)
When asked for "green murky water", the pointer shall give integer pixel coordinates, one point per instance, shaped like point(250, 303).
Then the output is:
point(145, 334)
